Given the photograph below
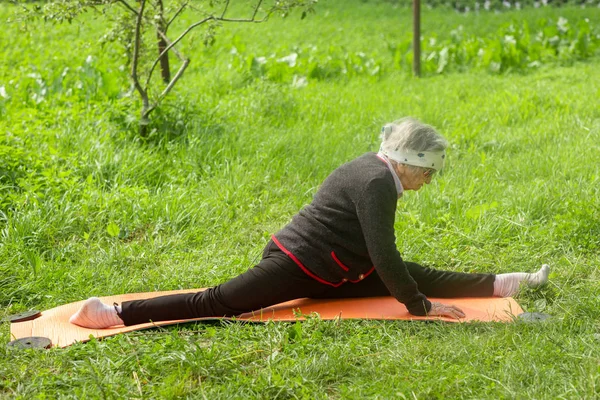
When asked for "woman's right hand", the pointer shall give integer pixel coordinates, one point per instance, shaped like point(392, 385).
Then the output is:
point(443, 310)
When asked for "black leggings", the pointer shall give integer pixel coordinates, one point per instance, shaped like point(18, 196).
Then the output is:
point(277, 278)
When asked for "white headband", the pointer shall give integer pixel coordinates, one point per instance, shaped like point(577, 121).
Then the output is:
point(425, 159)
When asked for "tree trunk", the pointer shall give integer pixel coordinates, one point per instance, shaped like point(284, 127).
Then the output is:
point(143, 130)
point(416, 37)
point(145, 120)
point(165, 70)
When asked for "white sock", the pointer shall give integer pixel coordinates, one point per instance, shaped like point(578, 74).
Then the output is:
point(507, 285)
point(96, 315)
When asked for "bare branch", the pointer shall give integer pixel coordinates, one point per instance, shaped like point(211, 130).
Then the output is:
point(184, 5)
point(253, 19)
point(166, 39)
point(126, 5)
point(256, 9)
point(147, 111)
point(136, 55)
point(171, 45)
point(175, 42)
point(256, 21)
point(178, 75)
point(203, 21)
point(225, 9)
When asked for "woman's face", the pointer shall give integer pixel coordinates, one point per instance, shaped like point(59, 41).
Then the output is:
point(413, 178)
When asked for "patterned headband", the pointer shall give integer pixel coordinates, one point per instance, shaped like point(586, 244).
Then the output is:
point(425, 159)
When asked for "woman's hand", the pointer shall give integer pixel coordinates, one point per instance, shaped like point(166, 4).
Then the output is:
point(443, 310)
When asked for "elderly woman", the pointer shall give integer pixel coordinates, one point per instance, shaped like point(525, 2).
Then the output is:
point(341, 245)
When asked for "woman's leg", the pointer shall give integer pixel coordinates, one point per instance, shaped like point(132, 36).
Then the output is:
point(444, 284)
point(431, 282)
point(507, 285)
point(274, 280)
point(449, 284)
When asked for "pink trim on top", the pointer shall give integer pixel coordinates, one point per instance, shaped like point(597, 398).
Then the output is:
point(338, 262)
point(399, 187)
point(381, 158)
point(302, 267)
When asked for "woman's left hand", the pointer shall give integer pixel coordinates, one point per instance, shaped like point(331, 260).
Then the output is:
point(444, 310)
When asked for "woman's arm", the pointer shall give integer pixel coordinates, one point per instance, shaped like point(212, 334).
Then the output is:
point(376, 208)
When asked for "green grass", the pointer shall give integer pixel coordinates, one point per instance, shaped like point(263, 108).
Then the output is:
point(235, 156)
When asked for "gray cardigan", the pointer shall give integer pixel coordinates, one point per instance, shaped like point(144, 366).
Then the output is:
point(347, 232)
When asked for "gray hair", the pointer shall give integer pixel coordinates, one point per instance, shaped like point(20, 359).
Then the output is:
point(411, 134)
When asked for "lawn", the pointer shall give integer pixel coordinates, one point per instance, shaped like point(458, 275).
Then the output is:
point(87, 207)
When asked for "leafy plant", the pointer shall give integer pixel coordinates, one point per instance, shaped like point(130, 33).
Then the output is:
point(515, 47)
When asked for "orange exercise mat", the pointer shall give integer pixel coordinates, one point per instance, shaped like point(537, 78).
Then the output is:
point(54, 324)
